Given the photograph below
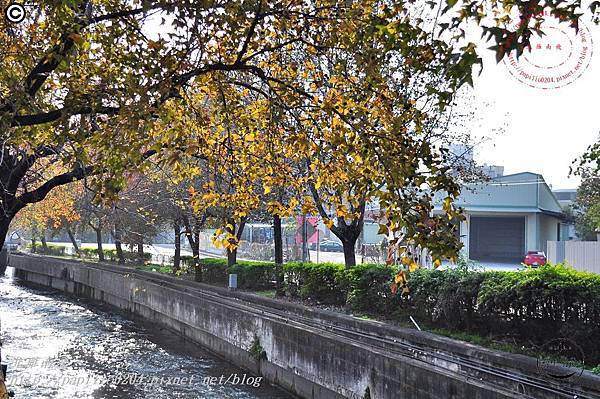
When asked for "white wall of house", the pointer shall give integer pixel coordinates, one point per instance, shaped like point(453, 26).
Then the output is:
point(464, 234)
point(548, 230)
point(531, 232)
point(540, 229)
point(370, 233)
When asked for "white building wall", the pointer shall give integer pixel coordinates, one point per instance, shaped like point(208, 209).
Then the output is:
point(531, 232)
point(464, 233)
point(548, 231)
point(370, 233)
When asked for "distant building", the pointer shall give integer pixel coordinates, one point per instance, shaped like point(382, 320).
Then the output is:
point(565, 196)
point(505, 217)
point(508, 216)
point(492, 171)
point(462, 151)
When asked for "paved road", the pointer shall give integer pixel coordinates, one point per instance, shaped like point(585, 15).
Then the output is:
point(162, 252)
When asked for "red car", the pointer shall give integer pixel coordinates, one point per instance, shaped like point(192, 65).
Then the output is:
point(535, 259)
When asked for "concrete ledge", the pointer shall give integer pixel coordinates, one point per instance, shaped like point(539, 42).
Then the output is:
point(311, 353)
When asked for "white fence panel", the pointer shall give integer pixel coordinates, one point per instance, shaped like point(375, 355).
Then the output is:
point(582, 255)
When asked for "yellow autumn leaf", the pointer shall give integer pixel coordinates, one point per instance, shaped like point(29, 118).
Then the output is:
point(447, 203)
point(400, 277)
point(412, 266)
point(318, 182)
point(341, 211)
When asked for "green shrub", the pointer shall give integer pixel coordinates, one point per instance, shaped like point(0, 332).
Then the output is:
point(187, 263)
point(111, 255)
point(214, 270)
point(535, 305)
point(89, 253)
point(254, 275)
point(545, 303)
point(149, 267)
point(446, 298)
point(251, 275)
point(51, 249)
point(324, 282)
point(369, 288)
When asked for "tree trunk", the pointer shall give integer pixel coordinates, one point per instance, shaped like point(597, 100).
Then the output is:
point(99, 243)
point(44, 243)
point(118, 246)
point(347, 233)
point(231, 257)
point(232, 253)
point(4, 225)
point(33, 244)
point(140, 251)
point(196, 251)
point(305, 251)
point(194, 240)
point(73, 241)
point(120, 255)
point(349, 244)
point(177, 257)
point(278, 241)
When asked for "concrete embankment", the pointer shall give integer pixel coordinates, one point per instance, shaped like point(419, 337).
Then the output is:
point(313, 353)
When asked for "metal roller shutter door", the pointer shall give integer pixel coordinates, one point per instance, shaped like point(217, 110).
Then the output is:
point(499, 239)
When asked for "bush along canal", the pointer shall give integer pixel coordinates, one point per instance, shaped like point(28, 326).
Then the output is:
point(63, 347)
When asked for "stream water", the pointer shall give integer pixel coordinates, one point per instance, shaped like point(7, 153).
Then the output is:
point(63, 347)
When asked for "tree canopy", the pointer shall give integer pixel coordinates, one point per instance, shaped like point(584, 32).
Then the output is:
point(333, 99)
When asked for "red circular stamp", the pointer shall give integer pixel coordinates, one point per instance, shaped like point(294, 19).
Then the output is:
point(556, 59)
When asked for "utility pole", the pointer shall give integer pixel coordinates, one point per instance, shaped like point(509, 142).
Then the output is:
point(304, 240)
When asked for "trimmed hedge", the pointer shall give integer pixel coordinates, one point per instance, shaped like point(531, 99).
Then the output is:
point(254, 275)
point(369, 288)
point(364, 287)
point(324, 282)
point(251, 275)
point(111, 255)
point(535, 305)
point(51, 249)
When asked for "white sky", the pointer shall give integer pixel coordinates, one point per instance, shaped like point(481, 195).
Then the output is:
point(544, 130)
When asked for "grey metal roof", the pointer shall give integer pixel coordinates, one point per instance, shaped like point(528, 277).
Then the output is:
point(519, 192)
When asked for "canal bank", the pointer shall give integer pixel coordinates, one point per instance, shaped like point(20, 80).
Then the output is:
point(311, 353)
point(64, 347)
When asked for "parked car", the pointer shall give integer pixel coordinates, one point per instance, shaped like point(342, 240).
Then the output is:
point(535, 259)
point(331, 246)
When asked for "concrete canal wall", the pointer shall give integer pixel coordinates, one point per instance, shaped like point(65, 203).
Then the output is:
point(312, 353)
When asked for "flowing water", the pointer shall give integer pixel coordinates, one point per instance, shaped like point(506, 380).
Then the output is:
point(63, 347)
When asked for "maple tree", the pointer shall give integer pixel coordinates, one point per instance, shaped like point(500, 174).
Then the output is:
point(586, 207)
point(57, 212)
point(253, 89)
point(95, 215)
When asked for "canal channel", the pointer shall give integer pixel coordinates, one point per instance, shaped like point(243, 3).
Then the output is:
point(63, 347)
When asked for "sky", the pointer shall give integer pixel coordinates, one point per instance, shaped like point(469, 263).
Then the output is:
point(543, 130)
